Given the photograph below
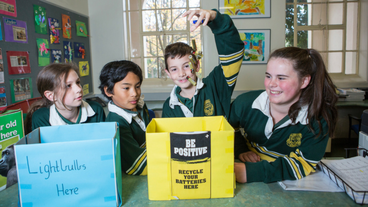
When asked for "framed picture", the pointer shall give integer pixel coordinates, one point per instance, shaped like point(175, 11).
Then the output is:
point(246, 8)
point(256, 44)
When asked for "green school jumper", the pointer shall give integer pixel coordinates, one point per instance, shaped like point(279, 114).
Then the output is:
point(91, 111)
point(213, 93)
point(132, 137)
point(288, 151)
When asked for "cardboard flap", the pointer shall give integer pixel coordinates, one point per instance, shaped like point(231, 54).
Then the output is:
point(77, 132)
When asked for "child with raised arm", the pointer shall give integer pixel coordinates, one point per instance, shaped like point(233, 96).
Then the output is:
point(121, 84)
point(210, 96)
point(61, 102)
point(287, 126)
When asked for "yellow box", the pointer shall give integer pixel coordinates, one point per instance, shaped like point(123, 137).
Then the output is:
point(190, 158)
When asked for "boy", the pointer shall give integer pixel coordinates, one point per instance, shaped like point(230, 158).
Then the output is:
point(121, 84)
point(210, 96)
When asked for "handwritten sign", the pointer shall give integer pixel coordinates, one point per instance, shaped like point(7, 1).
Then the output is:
point(69, 173)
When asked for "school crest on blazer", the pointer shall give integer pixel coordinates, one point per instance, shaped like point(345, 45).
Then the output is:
point(208, 107)
point(294, 140)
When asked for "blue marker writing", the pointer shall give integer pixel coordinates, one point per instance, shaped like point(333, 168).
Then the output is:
point(195, 21)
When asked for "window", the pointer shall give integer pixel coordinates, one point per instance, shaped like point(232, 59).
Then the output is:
point(151, 25)
point(329, 26)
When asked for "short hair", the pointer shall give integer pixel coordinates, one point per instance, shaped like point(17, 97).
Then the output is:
point(116, 71)
point(178, 49)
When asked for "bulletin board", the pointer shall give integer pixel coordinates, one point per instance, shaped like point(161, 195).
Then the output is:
point(26, 47)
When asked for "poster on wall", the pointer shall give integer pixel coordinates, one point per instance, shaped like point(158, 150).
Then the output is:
point(1, 33)
point(8, 7)
point(81, 29)
point(40, 19)
point(68, 51)
point(21, 89)
point(55, 56)
point(1, 67)
point(256, 45)
point(2, 99)
point(54, 28)
point(18, 62)
point(79, 50)
point(67, 26)
point(15, 30)
point(85, 89)
point(43, 52)
point(246, 9)
point(83, 68)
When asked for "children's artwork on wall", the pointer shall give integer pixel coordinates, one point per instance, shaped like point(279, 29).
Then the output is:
point(18, 62)
point(256, 44)
point(43, 52)
point(1, 33)
point(1, 67)
point(21, 89)
point(55, 56)
point(81, 29)
point(54, 27)
point(15, 30)
point(40, 19)
point(8, 7)
point(85, 89)
point(68, 51)
point(2, 99)
point(246, 8)
point(80, 51)
point(83, 68)
point(67, 26)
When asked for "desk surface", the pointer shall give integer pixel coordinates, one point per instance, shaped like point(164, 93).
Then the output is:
point(135, 193)
point(353, 103)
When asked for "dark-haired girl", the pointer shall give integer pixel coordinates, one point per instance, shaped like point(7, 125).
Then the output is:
point(286, 127)
point(121, 84)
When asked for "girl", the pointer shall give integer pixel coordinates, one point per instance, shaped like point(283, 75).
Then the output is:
point(121, 84)
point(288, 125)
point(61, 99)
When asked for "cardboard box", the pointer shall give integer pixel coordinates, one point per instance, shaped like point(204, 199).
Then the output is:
point(190, 158)
point(70, 165)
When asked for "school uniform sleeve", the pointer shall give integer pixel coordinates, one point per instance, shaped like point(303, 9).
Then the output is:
point(99, 111)
point(294, 166)
point(133, 156)
point(166, 110)
point(231, 51)
point(41, 118)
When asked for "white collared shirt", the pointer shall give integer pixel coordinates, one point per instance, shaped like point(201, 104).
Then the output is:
point(85, 109)
point(128, 116)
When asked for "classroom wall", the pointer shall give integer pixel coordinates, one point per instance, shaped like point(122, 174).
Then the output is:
point(78, 6)
point(107, 41)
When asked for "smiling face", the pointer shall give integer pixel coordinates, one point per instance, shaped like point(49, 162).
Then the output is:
point(179, 69)
point(282, 83)
point(126, 93)
point(73, 92)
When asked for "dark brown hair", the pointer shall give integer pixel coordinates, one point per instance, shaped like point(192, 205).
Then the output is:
point(320, 94)
point(178, 49)
point(51, 78)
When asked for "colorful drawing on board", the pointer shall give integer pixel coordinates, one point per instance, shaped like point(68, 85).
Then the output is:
point(18, 62)
point(43, 52)
point(1, 67)
point(246, 8)
point(15, 30)
point(40, 19)
point(3, 103)
point(67, 26)
point(8, 7)
point(68, 51)
point(85, 89)
point(54, 28)
point(21, 89)
point(256, 45)
point(80, 51)
point(83, 68)
point(81, 29)
point(55, 56)
point(1, 33)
